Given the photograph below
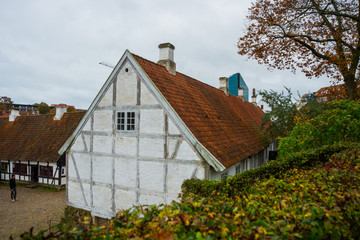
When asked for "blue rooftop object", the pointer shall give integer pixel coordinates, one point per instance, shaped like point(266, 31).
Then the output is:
point(235, 82)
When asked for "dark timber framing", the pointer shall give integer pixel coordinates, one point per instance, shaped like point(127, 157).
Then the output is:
point(27, 177)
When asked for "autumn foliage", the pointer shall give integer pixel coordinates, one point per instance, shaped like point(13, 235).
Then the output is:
point(311, 191)
point(319, 37)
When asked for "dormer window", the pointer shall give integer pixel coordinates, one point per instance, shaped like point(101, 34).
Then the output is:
point(125, 121)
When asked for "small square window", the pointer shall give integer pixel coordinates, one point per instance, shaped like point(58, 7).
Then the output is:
point(4, 167)
point(126, 121)
point(46, 171)
point(20, 169)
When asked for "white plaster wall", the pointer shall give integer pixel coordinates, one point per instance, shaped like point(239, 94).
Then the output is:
point(125, 145)
point(146, 97)
point(102, 198)
point(150, 199)
point(102, 144)
point(102, 166)
point(125, 172)
point(124, 199)
point(103, 120)
point(83, 166)
point(152, 121)
point(152, 176)
point(87, 126)
point(78, 144)
point(150, 147)
point(172, 145)
point(107, 99)
point(177, 173)
point(126, 86)
point(75, 195)
point(87, 141)
point(186, 152)
point(172, 128)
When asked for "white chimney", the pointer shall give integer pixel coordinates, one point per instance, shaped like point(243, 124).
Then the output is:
point(253, 98)
point(13, 115)
point(241, 93)
point(224, 85)
point(60, 110)
point(166, 57)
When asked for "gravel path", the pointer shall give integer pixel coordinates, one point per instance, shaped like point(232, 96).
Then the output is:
point(34, 208)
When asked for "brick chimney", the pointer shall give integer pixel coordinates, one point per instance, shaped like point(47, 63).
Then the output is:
point(224, 85)
point(241, 93)
point(166, 57)
point(60, 110)
point(13, 114)
point(253, 98)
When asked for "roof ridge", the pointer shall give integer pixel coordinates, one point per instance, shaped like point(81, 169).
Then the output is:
point(177, 72)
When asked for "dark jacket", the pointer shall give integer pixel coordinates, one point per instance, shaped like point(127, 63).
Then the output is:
point(12, 184)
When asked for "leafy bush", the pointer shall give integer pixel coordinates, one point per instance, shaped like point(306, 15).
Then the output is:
point(322, 202)
point(339, 123)
point(240, 182)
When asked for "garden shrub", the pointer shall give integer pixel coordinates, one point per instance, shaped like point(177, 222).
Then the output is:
point(339, 123)
point(276, 168)
point(321, 202)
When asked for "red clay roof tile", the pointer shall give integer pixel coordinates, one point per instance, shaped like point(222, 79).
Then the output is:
point(227, 126)
point(36, 138)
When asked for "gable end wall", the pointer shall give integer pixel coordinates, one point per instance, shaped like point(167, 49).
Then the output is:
point(110, 170)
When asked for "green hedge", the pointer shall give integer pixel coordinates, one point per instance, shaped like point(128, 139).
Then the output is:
point(277, 168)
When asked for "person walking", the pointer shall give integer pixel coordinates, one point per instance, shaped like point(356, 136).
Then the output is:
point(13, 188)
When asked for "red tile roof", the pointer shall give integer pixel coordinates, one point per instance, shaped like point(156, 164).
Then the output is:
point(227, 126)
point(36, 138)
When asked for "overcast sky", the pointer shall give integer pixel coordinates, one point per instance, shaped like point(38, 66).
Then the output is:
point(50, 50)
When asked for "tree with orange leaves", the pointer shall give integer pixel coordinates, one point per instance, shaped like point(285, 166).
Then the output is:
point(319, 37)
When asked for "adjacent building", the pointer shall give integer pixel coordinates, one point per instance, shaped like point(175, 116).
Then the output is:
point(29, 146)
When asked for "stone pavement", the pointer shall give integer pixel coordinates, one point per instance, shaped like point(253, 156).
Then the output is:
point(35, 207)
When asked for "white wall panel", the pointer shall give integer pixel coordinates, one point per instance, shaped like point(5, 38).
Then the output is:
point(150, 199)
point(177, 173)
point(102, 198)
point(87, 126)
point(102, 144)
point(83, 166)
point(151, 147)
point(125, 172)
point(126, 86)
point(186, 152)
point(102, 169)
point(152, 121)
point(124, 199)
point(103, 120)
point(125, 145)
point(152, 176)
point(146, 97)
point(75, 194)
point(107, 100)
point(78, 144)
point(172, 128)
point(172, 146)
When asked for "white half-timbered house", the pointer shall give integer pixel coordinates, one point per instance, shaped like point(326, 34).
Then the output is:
point(150, 128)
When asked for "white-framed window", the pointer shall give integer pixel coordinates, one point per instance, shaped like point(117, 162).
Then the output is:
point(125, 121)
